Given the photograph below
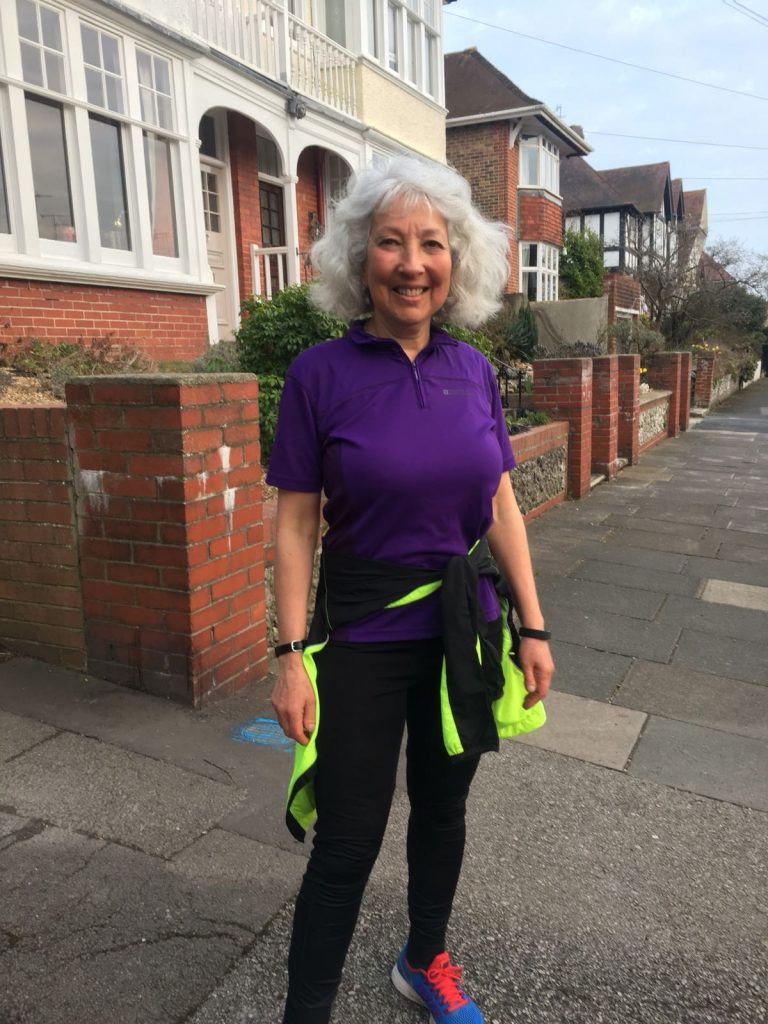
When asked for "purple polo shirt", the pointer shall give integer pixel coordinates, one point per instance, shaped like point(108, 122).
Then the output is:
point(409, 456)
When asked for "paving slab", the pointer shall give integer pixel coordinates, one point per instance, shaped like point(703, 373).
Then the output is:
point(618, 634)
point(719, 620)
point(653, 512)
point(115, 794)
point(559, 590)
point(722, 569)
point(722, 656)
point(655, 580)
point(663, 542)
point(710, 762)
point(755, 499)
point(658, 526)
point(742, 595)
point(586, 672)
point(586, 896)
point(588, 730)
point(738, 550)
point(99, 932)
point(674, 691)
point(19, 734)
point(629, 555)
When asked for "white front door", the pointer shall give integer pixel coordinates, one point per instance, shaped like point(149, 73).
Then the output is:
point(218, 243)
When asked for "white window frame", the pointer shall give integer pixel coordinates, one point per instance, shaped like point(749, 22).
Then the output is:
point(413, 68)
point(86, 254)
point(546, 270)
point(547, 163)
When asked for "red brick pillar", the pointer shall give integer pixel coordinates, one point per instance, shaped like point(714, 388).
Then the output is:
point(605, 415)
point(563, 389)
point(664, 375)
point(685, 390)
point(629, 408)
point(168, 485)
point(705, 378)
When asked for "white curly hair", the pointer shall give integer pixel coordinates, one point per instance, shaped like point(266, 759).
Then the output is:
point(478, 247)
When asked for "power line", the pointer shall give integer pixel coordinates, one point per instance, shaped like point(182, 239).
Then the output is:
point(684, 142)
point(740, 220)
point(602, 56)
point(747, 12)
point(710, 177)
point(741, 213)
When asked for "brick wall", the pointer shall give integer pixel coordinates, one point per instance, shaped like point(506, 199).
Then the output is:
point(629, 407)
point(563, 389)
point(541, 219)
point(605, 415)
point(705, 378)
point(40, 602)
point(482, 155)
point(167, 477)
point(162, 324)
point(245, 194)
point(623, 292)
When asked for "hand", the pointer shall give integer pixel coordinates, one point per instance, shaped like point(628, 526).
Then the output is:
point(537, 665)
point(293, 699)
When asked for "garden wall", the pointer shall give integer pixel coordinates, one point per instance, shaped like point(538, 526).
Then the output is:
point(41, 608)
point(540, 477)
point(654, 418)
point(135, 540)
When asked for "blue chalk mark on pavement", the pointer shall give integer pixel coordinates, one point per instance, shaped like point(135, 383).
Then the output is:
point(265, 732)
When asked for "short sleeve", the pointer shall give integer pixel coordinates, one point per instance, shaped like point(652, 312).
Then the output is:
point(296, 462)
point(497, 411)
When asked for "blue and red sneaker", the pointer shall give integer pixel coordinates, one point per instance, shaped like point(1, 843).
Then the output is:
point(438, 989)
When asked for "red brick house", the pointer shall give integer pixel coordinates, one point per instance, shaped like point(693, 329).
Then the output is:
point(511, 148)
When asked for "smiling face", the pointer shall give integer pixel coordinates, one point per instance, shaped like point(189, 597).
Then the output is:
point(407, 270)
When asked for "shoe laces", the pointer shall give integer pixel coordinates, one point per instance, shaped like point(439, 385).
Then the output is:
point(444, 977)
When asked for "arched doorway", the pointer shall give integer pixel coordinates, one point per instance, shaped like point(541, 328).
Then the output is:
point(322, 177)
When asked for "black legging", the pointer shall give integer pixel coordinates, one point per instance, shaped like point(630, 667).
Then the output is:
point(368, 692)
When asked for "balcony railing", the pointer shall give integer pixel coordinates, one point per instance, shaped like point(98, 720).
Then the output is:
point(264, 36)
point(269, 270)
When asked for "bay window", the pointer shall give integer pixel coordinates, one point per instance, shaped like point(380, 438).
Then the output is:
point(411, 44)
point(92, 120)
point(539, 269)
point(539, 163)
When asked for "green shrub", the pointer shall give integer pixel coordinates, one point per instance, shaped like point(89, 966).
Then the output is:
point(477, 339)
point(221, 358)
point(53, 363)
point(581, 265)
point(274, 331)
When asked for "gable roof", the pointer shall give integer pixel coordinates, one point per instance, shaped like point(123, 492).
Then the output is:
point(678, 198)
point(648, 186)
point(476, 92)
point(584, 188)
point(694, 204)
point(474, 86)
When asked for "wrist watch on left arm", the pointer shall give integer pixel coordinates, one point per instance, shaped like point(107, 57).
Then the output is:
point(293, 647)
point(532, 634)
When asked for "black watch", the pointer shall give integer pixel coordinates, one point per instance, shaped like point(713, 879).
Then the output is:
point(535, 634)
point(293, 647)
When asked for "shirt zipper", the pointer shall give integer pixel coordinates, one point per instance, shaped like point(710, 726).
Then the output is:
point(417, 381)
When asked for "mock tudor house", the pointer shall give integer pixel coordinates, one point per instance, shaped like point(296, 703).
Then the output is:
point(511, 149)
point(162, 160)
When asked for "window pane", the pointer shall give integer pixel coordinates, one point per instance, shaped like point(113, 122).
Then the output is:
point(373, 34)
point(431, 76)
point(90, 40)
point(27, 16)
point(147, 107)
point(5, 221)
point(110, 184)
point(157, 158)
point(529, 165)
point(267, 156)
point(207, 132)
point(529, 285)
point(31, 64)
point(144, 63)
point(164, 112)
point(111, 54)
point(54, 70)
point(414, 45)
point(50, 171)
point(114, 93)
point(393, 54)
point(429, 12)
point(95, 86)
point(49, 21)
point(162, 76)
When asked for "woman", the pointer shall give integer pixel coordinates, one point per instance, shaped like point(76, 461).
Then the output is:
point(401, 426)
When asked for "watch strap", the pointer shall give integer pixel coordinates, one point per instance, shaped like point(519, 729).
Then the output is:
point(534, 634)
point(290, 648)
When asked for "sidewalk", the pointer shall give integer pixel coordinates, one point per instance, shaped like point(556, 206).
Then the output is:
point(617, 862)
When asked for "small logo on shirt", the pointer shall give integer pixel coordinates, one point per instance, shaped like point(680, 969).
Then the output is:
point(456, 391)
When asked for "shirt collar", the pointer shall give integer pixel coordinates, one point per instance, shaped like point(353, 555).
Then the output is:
point(358, 334)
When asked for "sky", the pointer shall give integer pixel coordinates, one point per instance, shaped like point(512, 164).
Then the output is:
point(719, 42)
